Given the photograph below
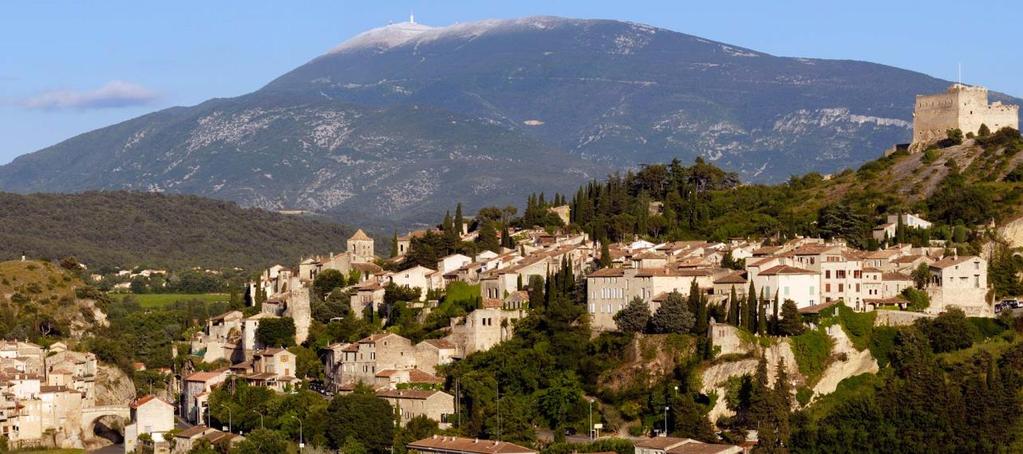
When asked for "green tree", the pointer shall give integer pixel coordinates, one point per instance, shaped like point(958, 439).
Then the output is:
point(487, 238)
point(733, 308)
point(954, 136)
point(762, 317)
point(276, 332)
point(459, 220)
point(363, 417)
point(605, 255)
point(791, 323)
point(261, 441)
point(984, 131)
point(749, 312)
point(949, 331)
point(921, 276)
point(394, 245)
point(634, 317)
point(326, 281)
point(673, 316)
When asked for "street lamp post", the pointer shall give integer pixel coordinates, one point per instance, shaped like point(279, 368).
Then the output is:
point(230, 419)
point(301, 439)
point(261, 426)
point(666, 420)
point(591, 419)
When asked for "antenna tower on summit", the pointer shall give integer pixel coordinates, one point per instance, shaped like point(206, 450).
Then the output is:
point(412, 17)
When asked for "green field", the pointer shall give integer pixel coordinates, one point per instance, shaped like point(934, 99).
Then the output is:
point(154, 300)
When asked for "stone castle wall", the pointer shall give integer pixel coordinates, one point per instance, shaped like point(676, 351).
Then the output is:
point(962, 107)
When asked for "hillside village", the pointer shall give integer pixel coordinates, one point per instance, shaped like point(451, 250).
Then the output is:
point(419, 323)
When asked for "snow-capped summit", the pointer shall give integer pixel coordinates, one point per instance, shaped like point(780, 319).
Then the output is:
point(382, 38)
point(395, 35)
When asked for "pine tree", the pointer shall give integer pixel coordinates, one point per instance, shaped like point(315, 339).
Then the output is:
point(782, 387)
point(487, 238)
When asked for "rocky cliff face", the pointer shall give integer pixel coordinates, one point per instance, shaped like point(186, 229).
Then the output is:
point(402, 121)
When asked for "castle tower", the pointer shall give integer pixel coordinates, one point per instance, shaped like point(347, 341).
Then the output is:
point(961, 106)
point(360, 246)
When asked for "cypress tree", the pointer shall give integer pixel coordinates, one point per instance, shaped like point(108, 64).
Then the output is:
point(774, 315)
point(605, 254)
point(459, 220)
point(762, 318)
point(749, 309)
point(733, 308)
point(394, 245)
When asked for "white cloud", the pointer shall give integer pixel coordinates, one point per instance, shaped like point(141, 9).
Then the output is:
point(116, 93)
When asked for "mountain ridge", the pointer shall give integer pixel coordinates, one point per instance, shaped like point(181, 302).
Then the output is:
point(392, 129)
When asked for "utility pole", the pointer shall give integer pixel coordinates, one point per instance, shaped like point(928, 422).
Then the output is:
point(498, 411)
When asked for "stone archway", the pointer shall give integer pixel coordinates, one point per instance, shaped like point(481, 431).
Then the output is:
point(104, 424)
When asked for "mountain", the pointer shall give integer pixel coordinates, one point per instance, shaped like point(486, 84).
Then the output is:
point(401, 122)
point(126, 229)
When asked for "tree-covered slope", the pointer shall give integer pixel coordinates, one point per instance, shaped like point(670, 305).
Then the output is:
point(123, 229)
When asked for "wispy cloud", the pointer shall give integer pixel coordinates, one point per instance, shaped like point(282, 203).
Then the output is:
point(114, 94)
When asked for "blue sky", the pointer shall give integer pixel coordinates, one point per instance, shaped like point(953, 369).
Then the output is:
point(73, 66)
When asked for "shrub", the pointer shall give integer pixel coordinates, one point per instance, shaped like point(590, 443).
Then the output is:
point(804, 395)
point(858, 325)
point(882, 340)
point(931, 154)
point(812, 350)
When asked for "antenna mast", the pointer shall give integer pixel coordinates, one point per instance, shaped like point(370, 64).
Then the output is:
point(412, 17)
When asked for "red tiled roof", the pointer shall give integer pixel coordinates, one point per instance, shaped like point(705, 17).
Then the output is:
point(468, 446)
point(731, 278)
point(785, 269)
point(608, 272)
point(146, 399)
point(415, 394)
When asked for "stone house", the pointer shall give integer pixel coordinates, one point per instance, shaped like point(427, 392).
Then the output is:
point(431, 353)
point(273, 368)
point(789, 283)
point(367, 295)
point(959, 281)
point(393, 378)
point(195, 393)
point(186, 438)
point(418, 276)
point(152, 416)
point(361, 361)
point(483, 328)
point(410, 403)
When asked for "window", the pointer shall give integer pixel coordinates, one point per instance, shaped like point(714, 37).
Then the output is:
point(841, 287)
point(827, 274)
point(827, 288)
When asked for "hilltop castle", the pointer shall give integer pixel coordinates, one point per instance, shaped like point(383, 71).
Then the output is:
point(961, 106)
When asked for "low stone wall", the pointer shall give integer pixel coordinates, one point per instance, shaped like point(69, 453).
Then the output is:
point(898, 318)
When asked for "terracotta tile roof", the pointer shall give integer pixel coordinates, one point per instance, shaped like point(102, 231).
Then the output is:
point(908, 258)
point(492, 303)
point(952, 261)
point(661, 443)
point(871, 269)
point(205, 376)
point(146, 399)
point(895, 277)
point(418, 376)
point(468, 446)
point(192, 431)
point(731, 278)
point(785, 269)
point(440, 343)
point(607, 272)
point(415, 394)
point(704, 448)
point(360, 236)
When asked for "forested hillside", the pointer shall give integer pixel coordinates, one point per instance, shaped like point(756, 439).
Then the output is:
point(126, 229)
